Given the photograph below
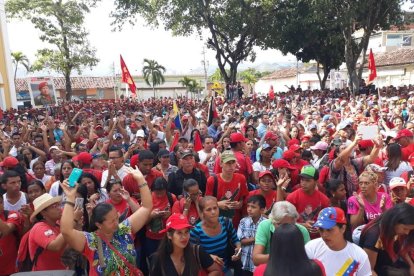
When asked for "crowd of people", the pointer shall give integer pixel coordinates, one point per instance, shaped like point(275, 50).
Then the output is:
point(297, 183)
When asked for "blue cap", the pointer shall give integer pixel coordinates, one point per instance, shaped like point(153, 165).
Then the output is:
point(329, 217)
point(326, 117)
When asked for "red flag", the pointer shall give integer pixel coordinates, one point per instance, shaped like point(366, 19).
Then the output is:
point(372, 68)
point(175, 141)
point(212, 112)
point(127, 78)
point(197, 142)
point(271, 93)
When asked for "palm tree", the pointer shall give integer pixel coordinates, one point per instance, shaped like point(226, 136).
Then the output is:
point(19, 58)
point(153, 73)
point(188, 83)
point(194, 86)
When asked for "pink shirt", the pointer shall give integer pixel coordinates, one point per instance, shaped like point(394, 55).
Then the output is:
point(371, 210)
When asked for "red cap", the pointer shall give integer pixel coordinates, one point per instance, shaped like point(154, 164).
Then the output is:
point(295, 147)
point(133, 162)
point(365, 144)
point(264, 173)
point(411, 159)
point(42, 84)
point(282, 163)
point(133, 125)
point(293, 142)
point(289, 155)
point(98, 127)
point(9, 162)
point(84, 157)
point(404, 133)
point(176, 221)
point(270, 136)
point(305, 138)
point(237, 137)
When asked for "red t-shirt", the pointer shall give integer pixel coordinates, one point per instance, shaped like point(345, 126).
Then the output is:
point(225, 190)
point(161, 204)
point(300, 164)
point(308, 206)
point(131, 185)
point(203, 168)
point(270, 197)
point(8, 244)
point(96, 173)
point(244, 162)
point(41, 235)
point(192, 216)
point(123, 208)
point(407, 151)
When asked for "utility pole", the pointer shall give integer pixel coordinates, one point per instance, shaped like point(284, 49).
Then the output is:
point(205, 64)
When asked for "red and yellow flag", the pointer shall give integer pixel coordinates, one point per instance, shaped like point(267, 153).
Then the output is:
point(127, 78)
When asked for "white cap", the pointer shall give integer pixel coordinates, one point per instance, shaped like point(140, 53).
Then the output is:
point(397, 182)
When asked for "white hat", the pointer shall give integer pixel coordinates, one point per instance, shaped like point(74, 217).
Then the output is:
point(397, 182)
point(140, 133)
point(42, 202)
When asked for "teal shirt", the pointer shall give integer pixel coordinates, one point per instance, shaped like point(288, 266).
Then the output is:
point(265, 231)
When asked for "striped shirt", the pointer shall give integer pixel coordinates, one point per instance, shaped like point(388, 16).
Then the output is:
point(215, 245)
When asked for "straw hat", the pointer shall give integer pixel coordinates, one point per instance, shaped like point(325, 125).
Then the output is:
point(42, 202)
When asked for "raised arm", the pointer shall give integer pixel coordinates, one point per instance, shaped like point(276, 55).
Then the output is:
point(140, 217)
point(346, 153)
point(75, 238)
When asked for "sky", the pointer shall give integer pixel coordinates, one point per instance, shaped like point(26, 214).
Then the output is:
point(179, 55)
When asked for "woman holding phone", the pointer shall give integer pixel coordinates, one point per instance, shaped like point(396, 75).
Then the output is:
point(65, 171)
point(109, 248)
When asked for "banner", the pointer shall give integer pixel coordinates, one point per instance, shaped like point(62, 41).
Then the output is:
point(42, 91)
point(127, 78)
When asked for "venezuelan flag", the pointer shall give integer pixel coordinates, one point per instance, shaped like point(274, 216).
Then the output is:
point(177, 119)
point(349, 268)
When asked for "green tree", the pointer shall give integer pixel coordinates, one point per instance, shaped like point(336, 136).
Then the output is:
point(233, 25)
point(61, 25)
point(250, 76)
point(186, 82)
point(217, 76)
point(366, 17)
point(308, 30)
point(153, 73)
point(19, 58)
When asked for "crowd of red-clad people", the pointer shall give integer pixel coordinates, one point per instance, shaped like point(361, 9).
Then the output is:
point(297, 183)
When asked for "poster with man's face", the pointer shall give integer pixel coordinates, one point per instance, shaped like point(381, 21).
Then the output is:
point(42, 92)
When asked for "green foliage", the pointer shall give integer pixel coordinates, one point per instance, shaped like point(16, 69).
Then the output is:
point(217, 76)
point(61, 25)
point(191, 84)
point(153, 73)
point(20, 58)
point(233, 25)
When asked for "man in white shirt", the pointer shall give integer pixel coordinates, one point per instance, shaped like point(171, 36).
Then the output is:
point(117, 169)
point(338, 256)
point(208, 154)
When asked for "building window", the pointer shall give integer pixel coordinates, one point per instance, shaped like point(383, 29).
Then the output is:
point(100, 94)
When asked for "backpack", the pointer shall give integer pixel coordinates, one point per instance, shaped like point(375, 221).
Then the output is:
point(24, 262)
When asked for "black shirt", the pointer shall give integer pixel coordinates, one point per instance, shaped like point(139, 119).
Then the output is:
point(175, 181)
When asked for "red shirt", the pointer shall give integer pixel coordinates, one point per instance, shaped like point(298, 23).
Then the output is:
point(192, 216)
point(9, 245)
point(96, 173)
point(41, 235)
point(131, 185)
point(300, 164)
point(123, 208)
point(308, 206)
point(407, 151)
point(270, 197)
point(203, 168)
point(225, 190)
point(244, 162)
point(162, 204)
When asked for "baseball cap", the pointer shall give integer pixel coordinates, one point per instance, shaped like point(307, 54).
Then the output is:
point(282, 163)
point(53, 148)
point(329, 217)
point(269, 173)
point(133, 125)
point(375, 168)
point(237, 137)
point(176, 221)
point(309, 172)
point(320, 146)
point(397, 182)
point(404, 133)
point(133, 161)
point(266, 146)
point(295, 147)
point(84, 157)
point(227, 156)
point(118, 135)
point(293, 141)
point(140, 133)
point(186, 153)
point(289, 155)
point(9, 162)
point(312, 126)
point(365, 144)
point(98, 127)
point(270, 136)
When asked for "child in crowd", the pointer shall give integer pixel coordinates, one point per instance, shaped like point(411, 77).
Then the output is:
point(246, 232)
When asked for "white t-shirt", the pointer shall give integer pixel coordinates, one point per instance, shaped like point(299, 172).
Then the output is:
point(258, 167)
point(211, 162)
point(343, 262)
point(17, 206)
point(122, 172)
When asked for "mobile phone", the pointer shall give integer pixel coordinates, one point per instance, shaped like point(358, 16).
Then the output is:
point(74, 177)
point(234, 194)
point(79, 202)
